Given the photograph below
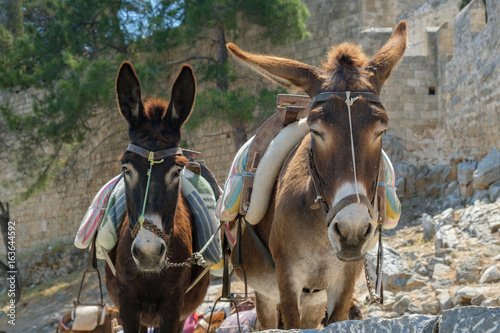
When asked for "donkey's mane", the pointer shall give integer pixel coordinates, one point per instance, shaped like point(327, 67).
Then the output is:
point(347, 55)
point(155, 108)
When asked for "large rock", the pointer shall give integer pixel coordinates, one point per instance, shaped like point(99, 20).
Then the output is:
point(478, 220)
point(459, 320)
point(464, 295)
point(487, 171)
point(440, 271)
point(470, 319)
point(402, 305)
point(494, 191)
point(409, 323)
point(446, 235)
point(467, 270)
point(491, 274)
point(465, 172)
point(444, 300)
point(429, 227)
point(408, 173)
point(393, 148)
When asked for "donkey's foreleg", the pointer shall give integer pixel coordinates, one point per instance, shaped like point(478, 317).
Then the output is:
point(289, 297)
point(170, 314)
point(266, 311)
point(130, 314)
point(340, 299)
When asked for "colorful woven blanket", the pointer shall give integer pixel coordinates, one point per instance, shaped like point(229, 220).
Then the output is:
point(109, 205)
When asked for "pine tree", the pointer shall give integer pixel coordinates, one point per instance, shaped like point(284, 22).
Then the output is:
point(69, 51)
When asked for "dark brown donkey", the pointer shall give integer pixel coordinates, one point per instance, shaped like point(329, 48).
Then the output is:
point(319, 245)
point(149, 288)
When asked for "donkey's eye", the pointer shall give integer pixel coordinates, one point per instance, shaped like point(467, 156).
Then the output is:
point(314, 132)
point(381, 133)
point(177, 172)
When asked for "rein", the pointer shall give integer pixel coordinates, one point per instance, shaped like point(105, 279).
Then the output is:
point(374, 297)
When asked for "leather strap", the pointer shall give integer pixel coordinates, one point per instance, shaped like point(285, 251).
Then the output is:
point(346, 201)
point(157, 155)
point(324, 96)
point(262, 248)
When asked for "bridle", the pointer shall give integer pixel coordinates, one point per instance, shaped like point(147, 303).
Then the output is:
point(153, 158)
point(353, 198)
point(372, 205)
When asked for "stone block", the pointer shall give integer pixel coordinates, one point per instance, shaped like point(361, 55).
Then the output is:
point(429, 226)
point(466, 190)
point(487, 171)
point(470, 319)
point(491, 274)
point(464, 295)
point(465, 171)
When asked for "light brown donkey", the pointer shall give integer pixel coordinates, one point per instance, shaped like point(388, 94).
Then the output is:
point(322, 217)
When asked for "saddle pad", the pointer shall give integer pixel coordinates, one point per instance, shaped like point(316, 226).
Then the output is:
point(392, 204)
point(94, 214)
point(227, 208)
point(267, 173)
point(200, 198)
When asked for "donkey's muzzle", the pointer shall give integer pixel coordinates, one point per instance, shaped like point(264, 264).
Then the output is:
point(149, 256)
point(346, 201)
point(351, 227)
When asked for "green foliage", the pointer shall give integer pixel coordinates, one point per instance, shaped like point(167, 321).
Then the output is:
point(283, 20)
point(67, 52)
point(464, 3)
point(233, 106)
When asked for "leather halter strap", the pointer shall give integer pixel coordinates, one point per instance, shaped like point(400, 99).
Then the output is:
point(152, 157)
point(346, 201)
point(157, 155)
point(350, 199)
point(324, 96)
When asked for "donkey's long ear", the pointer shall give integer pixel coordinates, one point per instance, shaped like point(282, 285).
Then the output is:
point(128, 94)
point(389, 55)
point(289, 73)
point(182, 98)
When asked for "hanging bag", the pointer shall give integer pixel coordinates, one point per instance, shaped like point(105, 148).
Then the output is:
point(93, 317)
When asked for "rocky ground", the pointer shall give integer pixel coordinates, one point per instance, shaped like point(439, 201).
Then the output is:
point(435, 260)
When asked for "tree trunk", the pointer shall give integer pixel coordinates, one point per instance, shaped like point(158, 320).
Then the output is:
point(220, 44)
point(239, 133)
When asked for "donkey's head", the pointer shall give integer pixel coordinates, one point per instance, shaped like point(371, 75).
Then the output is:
point(153, 162)
point(346, 122)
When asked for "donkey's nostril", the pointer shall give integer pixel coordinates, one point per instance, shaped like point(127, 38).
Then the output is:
point(336, 229)
point(368, 231)
point(135, 253)
point(163, 249)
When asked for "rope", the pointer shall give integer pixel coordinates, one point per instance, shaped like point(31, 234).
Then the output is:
point(151, 163)
point(210, 240)
point(350, 101)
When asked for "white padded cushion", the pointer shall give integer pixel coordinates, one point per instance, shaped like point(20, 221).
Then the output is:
point(269, 167)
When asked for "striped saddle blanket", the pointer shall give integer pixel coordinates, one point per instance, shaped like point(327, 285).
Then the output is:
point(109, 207)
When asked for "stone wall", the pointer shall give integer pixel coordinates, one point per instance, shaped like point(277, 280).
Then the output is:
point(470, 84)
point(421, 14)
point(442, 99)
